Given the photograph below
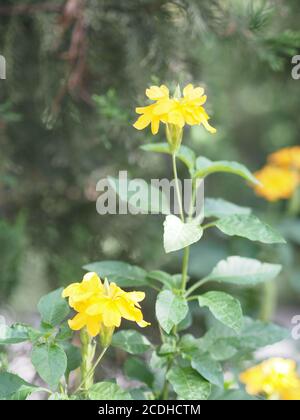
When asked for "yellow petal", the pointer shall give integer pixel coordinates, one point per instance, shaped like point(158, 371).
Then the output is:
point(78, 322)
point(198, 92)
point(93, 280)
point(136, 296)
point(68, 291)
point(111, 315)
point(176, 118)
point(128, 311)
point(98, 307)
point(142, 122)
point(145, 109)
point(208, 127)
point(155, 93)
point(163, 107)
point(155, 126)
point(143, 324)
point(93, 326)
point(188, 90)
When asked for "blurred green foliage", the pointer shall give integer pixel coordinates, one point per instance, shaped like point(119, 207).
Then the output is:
point(12, 240)
point(77, 69)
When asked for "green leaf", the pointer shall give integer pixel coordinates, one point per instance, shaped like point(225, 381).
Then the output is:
point(205, 167)
point(219, 208)
point(64, 333)
point(244, 271)
point(223, 343)
point(185, 154)
point(145, 198)
point(124, 274)
point(50, 361)
point(12, 387)
point(178, 235)
point(236, 395)
point(109, 391)
point(17, 333)
point(135, 368)
point(257, 334)
point(56, 396)
point(74, 358)
point(224, 307)
point(188, 384)
point(166, 279)
point(53, 308)
point(131, 341)
point(208, 368)
point(170, 309)
point(250, 227)
point(186, 322)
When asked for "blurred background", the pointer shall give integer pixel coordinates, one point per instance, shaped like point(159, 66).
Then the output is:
point(76, 70)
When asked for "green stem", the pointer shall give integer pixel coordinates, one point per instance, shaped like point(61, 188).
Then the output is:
point(294, 204)
point(90, 373)
point(165, 389)
point(269, 301)
point(209, 225)
point(179, 199)
point(185, 266)
point(185, 262)
point(196, 286)
point(88, 348)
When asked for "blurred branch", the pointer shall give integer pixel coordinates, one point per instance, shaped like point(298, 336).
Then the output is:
point(21, 9)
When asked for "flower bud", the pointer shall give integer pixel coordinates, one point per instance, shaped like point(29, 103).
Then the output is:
point(174, 136)
point(105, 335)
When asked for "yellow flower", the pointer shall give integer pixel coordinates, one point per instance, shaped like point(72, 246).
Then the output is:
point(276, 183)
point(90, 286)
point(101, 306)
point(177, 111)
point(276, 378)
point(117, 304)
point(289, 157)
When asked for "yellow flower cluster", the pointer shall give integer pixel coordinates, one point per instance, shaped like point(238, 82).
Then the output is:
point(289, 158)
point(280, 178)
point(177, 111)
point(102, 305)
point(276, 378)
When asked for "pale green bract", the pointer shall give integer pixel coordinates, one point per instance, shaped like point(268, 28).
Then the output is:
point(179, 235)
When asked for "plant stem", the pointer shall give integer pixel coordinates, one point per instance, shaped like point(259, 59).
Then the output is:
point(88, 349)
point(179, 199)
point(269, 303)
point(209, 225)
point(165, 389)
point(185, 262)
point(185, 265)
point(196, 286)
point(90, 373)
